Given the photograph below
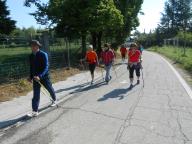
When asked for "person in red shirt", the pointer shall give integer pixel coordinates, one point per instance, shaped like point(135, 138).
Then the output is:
point(134, 63)
point(92, 59)
point(107, 58)
point(123, 51)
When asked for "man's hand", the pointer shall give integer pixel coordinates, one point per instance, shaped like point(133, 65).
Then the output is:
point(36, 78)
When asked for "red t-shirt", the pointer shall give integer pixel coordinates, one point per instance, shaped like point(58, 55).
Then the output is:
point(123, 50)
point(134, 56)
point(107, 56)
point(91, 57)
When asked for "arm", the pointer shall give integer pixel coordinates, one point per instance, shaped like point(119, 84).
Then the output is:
point(31, 69)
point(45, 65)
point(97, 61)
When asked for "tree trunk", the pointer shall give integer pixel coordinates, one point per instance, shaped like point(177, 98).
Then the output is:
point(94, 39)
point(99, 36)
point(83, 43)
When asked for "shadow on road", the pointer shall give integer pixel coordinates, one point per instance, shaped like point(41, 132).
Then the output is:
point(90, 87)
point(13, 122)
point(73, 87)
point(117, 93)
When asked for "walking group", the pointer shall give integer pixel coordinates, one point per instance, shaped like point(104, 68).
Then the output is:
point(39, 68)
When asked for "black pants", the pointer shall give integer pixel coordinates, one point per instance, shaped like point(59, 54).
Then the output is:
point(135, 68)
point(92, 68)
point(123, 55)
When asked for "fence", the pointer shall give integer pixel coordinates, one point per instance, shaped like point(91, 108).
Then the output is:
point(14, 61)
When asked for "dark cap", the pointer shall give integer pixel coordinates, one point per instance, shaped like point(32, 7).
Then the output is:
point(106, 45)
point(133, 45)
point(35, 42)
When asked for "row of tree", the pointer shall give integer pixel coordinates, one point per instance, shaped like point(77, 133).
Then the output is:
point(176, 22)
point(97, 18)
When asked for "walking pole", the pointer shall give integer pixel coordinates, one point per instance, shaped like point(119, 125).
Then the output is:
point(81, 63)
point(114, 70)
point(142, 77)
point(102, 73)
point(45, 92)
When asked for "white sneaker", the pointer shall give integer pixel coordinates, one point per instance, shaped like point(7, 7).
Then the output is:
point(54, 103)
point(33, 114)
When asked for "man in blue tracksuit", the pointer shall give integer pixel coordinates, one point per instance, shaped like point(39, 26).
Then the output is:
point(39, 72)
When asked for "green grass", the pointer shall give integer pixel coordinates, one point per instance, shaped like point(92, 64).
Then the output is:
point(20, 53)
point(14, 62)
point(176, 54)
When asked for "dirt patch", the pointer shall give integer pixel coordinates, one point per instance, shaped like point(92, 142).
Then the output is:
point(22, 87)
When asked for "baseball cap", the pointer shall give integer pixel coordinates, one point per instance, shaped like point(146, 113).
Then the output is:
point(35, 42)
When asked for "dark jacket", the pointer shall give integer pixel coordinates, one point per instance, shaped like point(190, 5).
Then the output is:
point(39, 64)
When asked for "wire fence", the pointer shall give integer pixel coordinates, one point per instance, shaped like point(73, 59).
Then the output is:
point(14, 61)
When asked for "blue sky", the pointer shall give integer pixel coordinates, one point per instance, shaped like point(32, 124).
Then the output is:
point(152, 10)
point(149, 21)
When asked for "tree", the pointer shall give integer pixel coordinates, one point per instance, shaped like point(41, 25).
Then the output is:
point(81, 17)
point(6, 24)
point(130, 10)
point(96, 17)
point(177, 16)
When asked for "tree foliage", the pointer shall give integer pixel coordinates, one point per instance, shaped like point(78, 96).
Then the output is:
point(95, 17)
point(177, 16)
point(6, 24)
point(130, 10)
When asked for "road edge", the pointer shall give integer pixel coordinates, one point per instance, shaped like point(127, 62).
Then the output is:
point(180, 78)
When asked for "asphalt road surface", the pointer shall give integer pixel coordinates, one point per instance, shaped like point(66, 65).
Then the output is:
point(158, 113)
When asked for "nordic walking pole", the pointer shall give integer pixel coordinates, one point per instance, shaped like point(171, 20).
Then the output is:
point(114, 70)
point(102, 73)
point(81, 63)
point(45, 92)
point(142, 77)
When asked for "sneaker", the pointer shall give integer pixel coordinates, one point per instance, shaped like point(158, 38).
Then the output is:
point(138, 81)
point(54, 103)
point(131, 86)
point(33, 114)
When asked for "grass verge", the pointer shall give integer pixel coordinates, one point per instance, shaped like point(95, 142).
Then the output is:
point(177, 55)
point(22, 86)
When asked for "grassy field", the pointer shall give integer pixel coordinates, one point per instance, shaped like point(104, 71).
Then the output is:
point(14, 62)
point(14, 68)
point(177, 55)
point(12, 54)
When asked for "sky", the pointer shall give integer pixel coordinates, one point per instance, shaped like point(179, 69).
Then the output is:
point(152, 12)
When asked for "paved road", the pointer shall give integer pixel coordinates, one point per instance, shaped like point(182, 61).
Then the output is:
point(159, 113)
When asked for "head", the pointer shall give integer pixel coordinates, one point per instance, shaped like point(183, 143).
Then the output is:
point(35, 45)
point(90, 48)
point(106, 46)
point(122, 45)
point(133, 46)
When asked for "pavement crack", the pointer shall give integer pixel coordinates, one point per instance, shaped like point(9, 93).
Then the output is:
point(185, 138)
point(128, 118)
point(36, 132)
point(94, 112)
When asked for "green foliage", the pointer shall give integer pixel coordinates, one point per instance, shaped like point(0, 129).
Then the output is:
point(129, 10)
point(111, 18)
point(176, 54)
point(177, 16)
point(6, 24)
